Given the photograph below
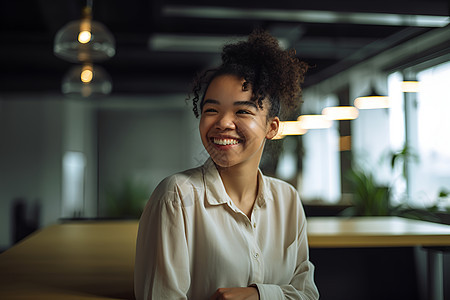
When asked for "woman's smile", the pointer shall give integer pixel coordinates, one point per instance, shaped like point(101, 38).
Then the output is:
point(225, 142)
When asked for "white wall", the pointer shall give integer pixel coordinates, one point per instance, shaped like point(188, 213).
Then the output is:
point(80, 135)
point(144, 146)
point(36, 131)
point(30, 150)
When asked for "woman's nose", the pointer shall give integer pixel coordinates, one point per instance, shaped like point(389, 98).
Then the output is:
point(225, 121)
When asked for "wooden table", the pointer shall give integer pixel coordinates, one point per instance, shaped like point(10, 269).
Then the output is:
point(339, 232)
point(95, 260)
point(84, 260)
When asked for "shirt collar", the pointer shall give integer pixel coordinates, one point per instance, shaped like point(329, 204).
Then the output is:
point(215, 190)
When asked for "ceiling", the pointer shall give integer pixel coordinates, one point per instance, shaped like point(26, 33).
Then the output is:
point(159, 47)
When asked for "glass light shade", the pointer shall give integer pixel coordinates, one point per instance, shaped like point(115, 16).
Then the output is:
point(314, 122)
point(84, 40)
point(372, 102)
point(340, 113)
point(87, 81)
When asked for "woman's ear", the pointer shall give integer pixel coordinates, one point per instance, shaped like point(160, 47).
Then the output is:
point(274, 126)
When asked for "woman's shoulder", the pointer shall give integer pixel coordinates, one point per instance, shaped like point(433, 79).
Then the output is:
point(284, 199)
point(190, 177)
point(278, 185)
point(176, 186)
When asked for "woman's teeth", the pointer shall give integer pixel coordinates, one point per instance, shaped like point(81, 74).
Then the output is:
point(225, 142)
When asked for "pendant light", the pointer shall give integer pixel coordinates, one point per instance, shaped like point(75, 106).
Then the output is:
point(314, 122)
point(84, 40)
point(289, 128)
point(340, 112)
point(87, 80)
point(372, 101)
point(410, 86)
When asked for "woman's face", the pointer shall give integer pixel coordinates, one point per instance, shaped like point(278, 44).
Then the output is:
point(233, 128)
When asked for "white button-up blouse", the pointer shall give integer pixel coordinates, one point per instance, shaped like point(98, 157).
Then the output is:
point(192, 240)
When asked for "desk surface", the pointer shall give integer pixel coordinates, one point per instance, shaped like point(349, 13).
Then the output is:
point(95, 260)
point(375, 232)
point(87, 260)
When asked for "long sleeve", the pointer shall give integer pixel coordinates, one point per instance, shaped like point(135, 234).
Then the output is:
point(162, 262)
point(301, 286)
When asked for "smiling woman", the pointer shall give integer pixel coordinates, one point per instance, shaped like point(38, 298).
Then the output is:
point(233, 131)
point(224, 230)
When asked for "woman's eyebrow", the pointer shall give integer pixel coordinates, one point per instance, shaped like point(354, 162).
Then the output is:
point(211, 101)
point(246, 103)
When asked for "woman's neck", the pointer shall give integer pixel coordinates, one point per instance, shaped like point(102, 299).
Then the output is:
point(241, 184)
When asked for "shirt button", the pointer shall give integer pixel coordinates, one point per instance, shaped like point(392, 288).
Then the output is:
point(256, 255)
point(254, 225)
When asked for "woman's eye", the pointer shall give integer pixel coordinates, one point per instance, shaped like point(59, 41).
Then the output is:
point(209, 110)
point(242, 111)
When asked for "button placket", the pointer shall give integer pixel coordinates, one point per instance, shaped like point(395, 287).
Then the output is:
point(258, 261)
point(254, 217)
point(258, 265)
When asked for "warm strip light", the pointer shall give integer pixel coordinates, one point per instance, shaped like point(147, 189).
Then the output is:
point(410, 86)
point(292, 128)
point(340, 113)
point(289, 128)
point(314, 122)
point(279, 136)
point(372, 102)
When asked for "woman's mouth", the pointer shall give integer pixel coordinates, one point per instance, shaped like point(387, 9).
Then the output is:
point(225, 141)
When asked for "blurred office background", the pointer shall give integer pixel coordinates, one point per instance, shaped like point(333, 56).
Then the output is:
point(68, 152)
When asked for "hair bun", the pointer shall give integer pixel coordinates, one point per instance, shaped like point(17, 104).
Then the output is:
point(273, 72)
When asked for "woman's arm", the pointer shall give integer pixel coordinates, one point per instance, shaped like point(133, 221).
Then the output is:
point(162, 263)
point(239, 293)
point(301, 285)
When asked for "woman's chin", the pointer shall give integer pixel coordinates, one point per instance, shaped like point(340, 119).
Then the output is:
point(221, 163)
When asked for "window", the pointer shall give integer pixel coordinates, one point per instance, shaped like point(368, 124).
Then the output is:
point(428, 128)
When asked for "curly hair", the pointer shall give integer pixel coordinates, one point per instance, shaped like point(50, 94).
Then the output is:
point(269, 71)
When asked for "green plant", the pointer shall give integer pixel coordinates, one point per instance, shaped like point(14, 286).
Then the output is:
point(401, 157)
point(440, 205)
point(370, 199)
point(126, 201)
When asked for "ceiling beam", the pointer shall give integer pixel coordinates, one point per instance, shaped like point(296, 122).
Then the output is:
point(307, 16)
